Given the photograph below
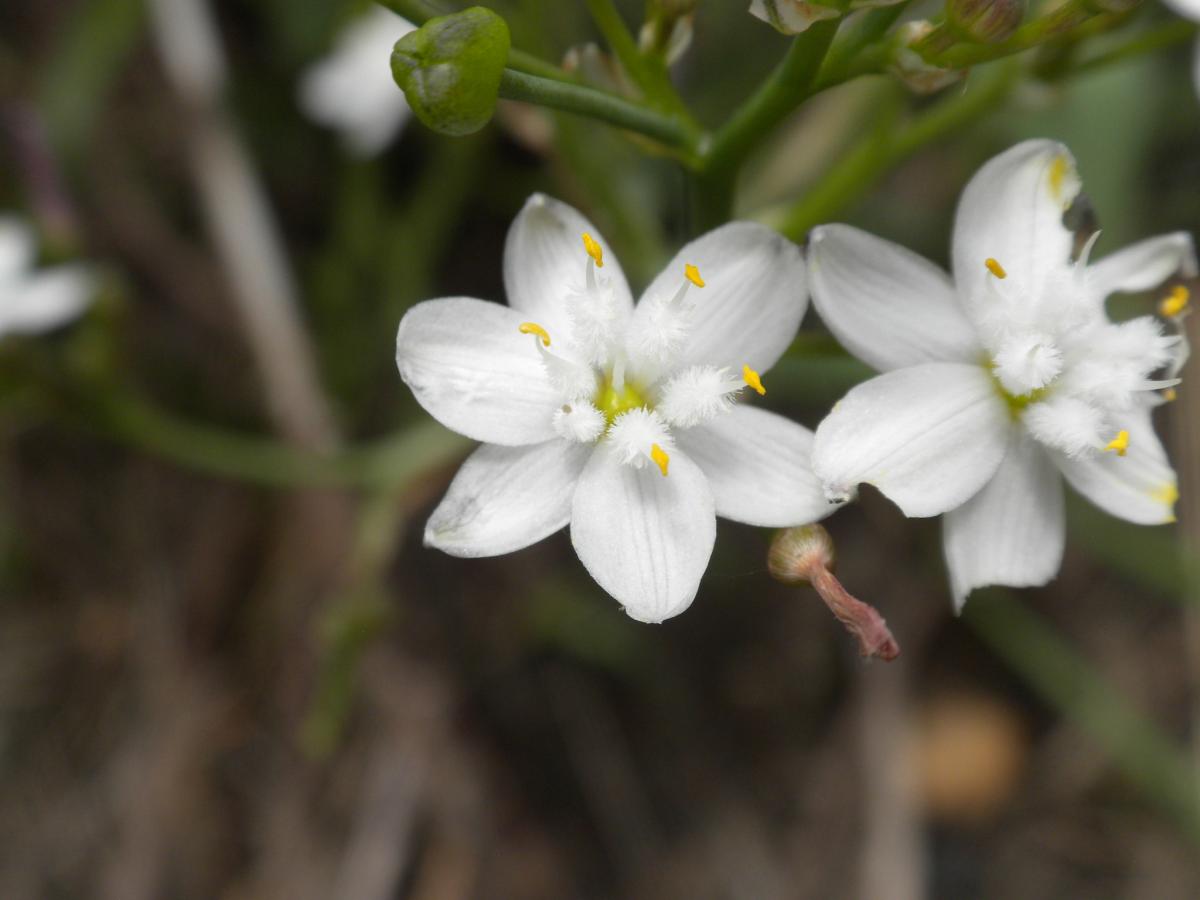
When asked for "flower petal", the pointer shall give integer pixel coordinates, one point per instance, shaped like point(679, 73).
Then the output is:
point(755, 295)
point(1144, 265)
point(45, 300)
point(758, 465)
point(1013, 531)
point(645, 538)
point(928, 437)
point(16, 247)
point(545, 261)
point(352, 89)
point(1011, 211)
point(1139, 487)
point(888, 306)
point(474, 372)
point(506, 498)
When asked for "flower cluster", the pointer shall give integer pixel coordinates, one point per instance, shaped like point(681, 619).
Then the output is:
point(628, 422)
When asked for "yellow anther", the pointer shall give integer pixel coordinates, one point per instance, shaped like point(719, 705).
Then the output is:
point(1166, 493)
point(1175, 302)
point(535, 328)
point(753, 379)
point(692, 274)
point(1058, 174)
point(594, 250)
point(995, 268)
point(1169, 395)
point(1120, 443)
point(659, 455)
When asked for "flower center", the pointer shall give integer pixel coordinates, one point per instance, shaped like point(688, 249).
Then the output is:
point(612, 401)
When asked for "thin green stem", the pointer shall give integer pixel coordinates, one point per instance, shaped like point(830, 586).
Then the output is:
point(854, 39)
point(785, 89)
point(1167, 35)
point(390, 462)
point(610, 108)
point(1068, 682)
point(881, 149)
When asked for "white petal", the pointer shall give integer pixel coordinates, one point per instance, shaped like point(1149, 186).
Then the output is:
point(929, 437)
point(474, 372)
point(16, 247)
point(506, 498)
point(645, 538)
point(1012, 532)
point(1011, 211)
point(1144, 265)
point(759, 466)
point(888, 306)
point(1139, 487)
point(352, 89)
point(755, 295)
point(545, 262)
point(45, 300)
point(1187, 8)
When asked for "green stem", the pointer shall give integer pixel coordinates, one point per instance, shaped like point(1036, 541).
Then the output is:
point(610, 108)
point(854, 39)
point(390, 462)
point(1068, 682)
point(1168, 35)
point(785, 89)
point(881, 149)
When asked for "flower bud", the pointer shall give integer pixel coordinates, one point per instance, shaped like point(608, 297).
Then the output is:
point(791, 16)
point(911, 68)
point(450, 68)
point(986, 21)
point(805, 555)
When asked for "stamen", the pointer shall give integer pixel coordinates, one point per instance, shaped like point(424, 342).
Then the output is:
point(995, 268)
point(594, 250)
point(753, 379)
point(1120, 443)
point(1058, 174)
point(660, 457)
point(535, 329)
point(1175, 302)
point(692, 274)
point(1170, 394)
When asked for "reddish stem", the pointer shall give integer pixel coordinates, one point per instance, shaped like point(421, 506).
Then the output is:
point(861, 620)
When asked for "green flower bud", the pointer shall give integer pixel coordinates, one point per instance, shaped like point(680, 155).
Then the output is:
point(794, 16)
point(986, 21)
point(450, 68)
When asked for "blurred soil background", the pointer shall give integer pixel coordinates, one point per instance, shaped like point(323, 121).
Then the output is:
point(229, 672)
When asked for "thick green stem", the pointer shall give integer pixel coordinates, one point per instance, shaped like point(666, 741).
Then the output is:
point(880, 150)
point(672, 132)
point(1066, 681)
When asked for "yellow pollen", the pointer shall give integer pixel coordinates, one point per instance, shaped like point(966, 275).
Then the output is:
point(753, 380)
point(1175, 302)
point(594, 250)
point(1170, 394)
point(995, 268)
point(1166, 494)
point(659, 455)
point(692, 274)
point(1120, 443)
point(535, 328)
point(1058, 174)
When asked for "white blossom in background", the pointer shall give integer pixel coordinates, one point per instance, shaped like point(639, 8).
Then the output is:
point(1190, 9)
point(1005, 379)
point(352, 91)
point(622, 421)
point(36, 300)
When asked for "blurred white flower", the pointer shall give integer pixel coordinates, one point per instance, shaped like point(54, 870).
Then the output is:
point(1190, 9)
point(36, 300)
point(1004, 378)
point(352, 91)
point(619, 420)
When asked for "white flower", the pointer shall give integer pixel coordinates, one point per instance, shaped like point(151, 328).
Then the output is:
point(998, 381)
point(351, 90)
point(36, 300)
point(619, 420)
point(791, 16)
point(1190, 9)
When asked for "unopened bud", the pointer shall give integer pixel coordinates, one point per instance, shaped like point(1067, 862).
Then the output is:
point(911, 68)
point(792, 16)
point(450, 68)
point(986, 21)
point(805, 555)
